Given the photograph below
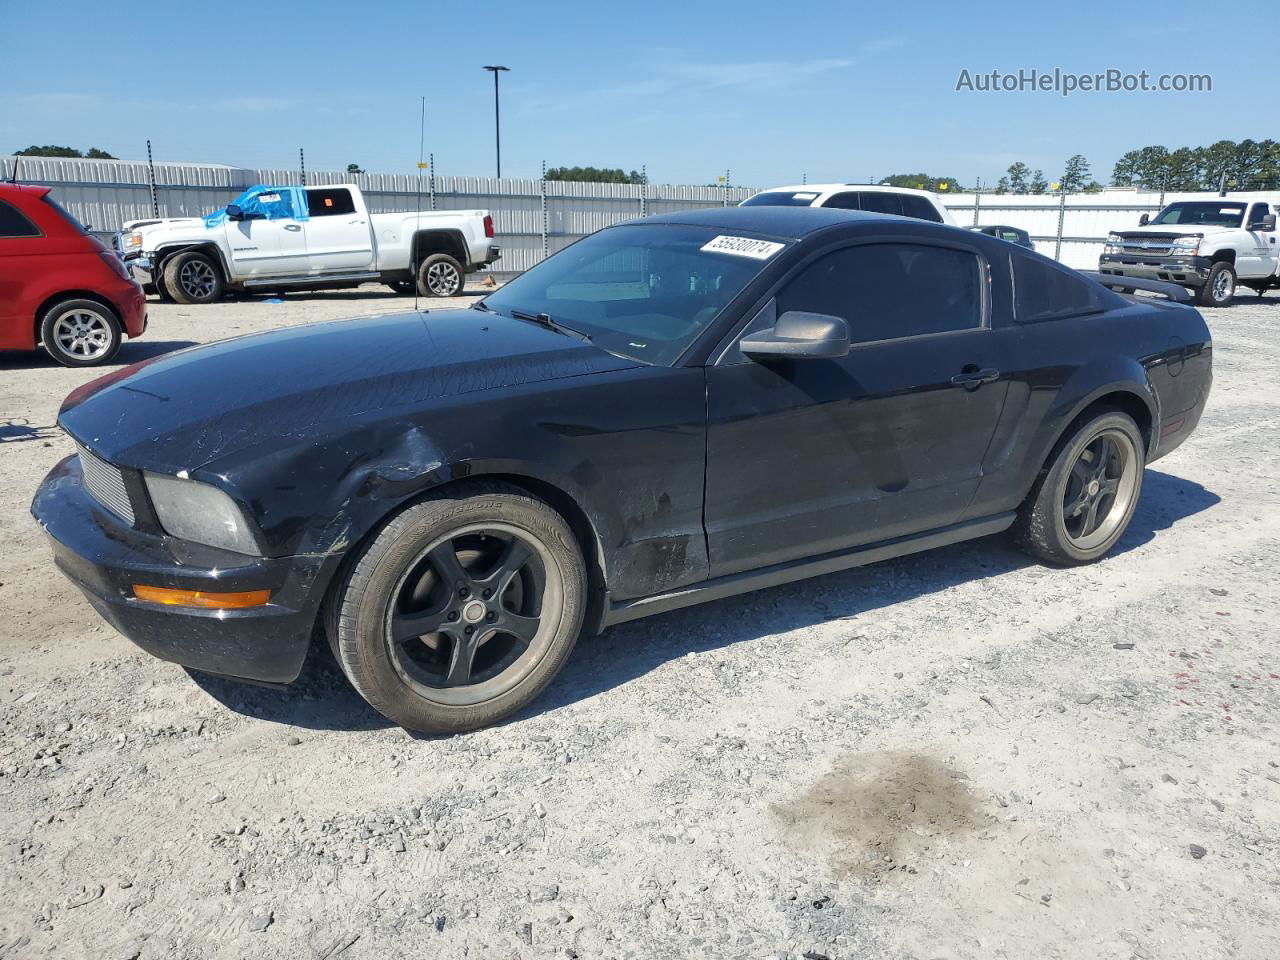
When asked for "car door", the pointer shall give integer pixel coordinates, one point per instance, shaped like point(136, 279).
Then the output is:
point(815, 455)
point(20, 244)
point(338, 236)
point(1261, 260)
point(266, 248)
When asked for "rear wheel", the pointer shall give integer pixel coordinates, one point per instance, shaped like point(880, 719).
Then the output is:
point(461, 610)
point(1083, 503)
point(80, 333)
point(440, 275)
point(1219, 288)
point(193, 277)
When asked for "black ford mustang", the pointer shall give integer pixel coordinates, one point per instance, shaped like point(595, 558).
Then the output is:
point(669, 411)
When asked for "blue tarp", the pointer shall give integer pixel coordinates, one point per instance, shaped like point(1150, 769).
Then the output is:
point(269, 203)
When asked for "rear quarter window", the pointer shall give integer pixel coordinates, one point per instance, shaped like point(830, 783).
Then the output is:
point(14, 223)
point(920, 208)
point(1042, 290)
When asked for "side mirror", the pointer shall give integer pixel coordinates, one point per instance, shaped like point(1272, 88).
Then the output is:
point(800, 336)
point(1144, 220)
point(234, 212)
point(1266, 224)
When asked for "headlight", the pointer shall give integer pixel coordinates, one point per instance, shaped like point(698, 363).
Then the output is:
point(200, 513)
point(1114, 243)
point(131, 241)
point(1185, 245)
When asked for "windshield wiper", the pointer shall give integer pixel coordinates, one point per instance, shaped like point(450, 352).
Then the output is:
point(544, 319)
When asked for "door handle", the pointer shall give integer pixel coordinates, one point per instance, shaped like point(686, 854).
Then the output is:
point(292, 226)
point(351, 222)
point(971, 377)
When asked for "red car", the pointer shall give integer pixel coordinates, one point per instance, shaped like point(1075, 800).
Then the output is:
point(59, 286)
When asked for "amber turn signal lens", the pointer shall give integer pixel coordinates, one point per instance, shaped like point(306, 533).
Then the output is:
point(171, 597)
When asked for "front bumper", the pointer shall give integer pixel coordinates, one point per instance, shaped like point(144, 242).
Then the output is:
point(1187, 270)
point(105, 557)
point(141, 269)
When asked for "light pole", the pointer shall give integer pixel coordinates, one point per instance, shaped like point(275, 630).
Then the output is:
point(497, 129)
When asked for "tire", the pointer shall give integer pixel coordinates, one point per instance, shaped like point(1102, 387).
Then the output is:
point(1054, 523)
point(427, 570)
point(403, 287)
point(193, 277)
point(162, 291)
point(80, 333)
point(1219, 288)
point(440, 275)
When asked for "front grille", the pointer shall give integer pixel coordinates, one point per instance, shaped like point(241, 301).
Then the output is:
point(106, 484)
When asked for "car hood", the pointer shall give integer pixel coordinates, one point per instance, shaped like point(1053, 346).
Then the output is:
point(184, 410)
point(1174, 230)
point(155, 231)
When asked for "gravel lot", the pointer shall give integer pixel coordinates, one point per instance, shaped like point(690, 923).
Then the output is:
point(959, 754)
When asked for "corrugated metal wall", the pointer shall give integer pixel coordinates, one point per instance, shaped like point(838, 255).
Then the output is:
point(107, 193)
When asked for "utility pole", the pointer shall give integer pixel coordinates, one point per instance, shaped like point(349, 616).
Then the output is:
point(497, 127)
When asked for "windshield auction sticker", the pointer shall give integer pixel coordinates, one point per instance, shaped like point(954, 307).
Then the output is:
point(743, 247)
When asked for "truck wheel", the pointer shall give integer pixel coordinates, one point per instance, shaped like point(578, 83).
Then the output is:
point(1082, 504)
point(440, 275)
point(80, 333)
point(1219, 288)
point(193, 277)
point(461, 609)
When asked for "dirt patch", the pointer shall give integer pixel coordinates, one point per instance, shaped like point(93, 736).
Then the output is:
point(875, 813)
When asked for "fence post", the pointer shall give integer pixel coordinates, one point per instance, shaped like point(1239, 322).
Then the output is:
point(726, 187)
point(543, 188)
point(151, 176)
point(977, 196)
point(644, 190)
point(431, 178)
point(1062, 216)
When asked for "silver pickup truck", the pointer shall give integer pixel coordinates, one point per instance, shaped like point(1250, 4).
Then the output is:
point(294, 238)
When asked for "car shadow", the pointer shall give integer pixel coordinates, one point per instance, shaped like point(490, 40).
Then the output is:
point(321, 698)
point(131, 351)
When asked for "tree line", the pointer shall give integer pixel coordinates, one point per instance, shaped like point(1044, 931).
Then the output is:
point(1243, 165)
point(50, 150)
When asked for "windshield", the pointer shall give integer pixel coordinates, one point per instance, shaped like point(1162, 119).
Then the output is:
point(781, 198)
point(1201, 213)
point(643, 291)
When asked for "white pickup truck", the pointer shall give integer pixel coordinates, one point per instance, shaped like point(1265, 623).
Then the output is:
point(306, 238)
point(1208, 246)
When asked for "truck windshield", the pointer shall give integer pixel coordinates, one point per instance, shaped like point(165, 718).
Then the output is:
point(643, 291)
point(1199, 213)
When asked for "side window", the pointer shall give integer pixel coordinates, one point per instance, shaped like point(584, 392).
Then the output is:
point(890, 290)
point(14, 224)
point(882, 202)
point(843, 201)
point(330, 202)
point(1044, 291)
point(920, 208)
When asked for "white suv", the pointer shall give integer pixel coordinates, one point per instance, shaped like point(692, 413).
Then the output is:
point(919, 204)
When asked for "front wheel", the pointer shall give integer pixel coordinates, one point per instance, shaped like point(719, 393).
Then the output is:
point(80, 333)
point(440, 275)
point(193, 277)
point(1219, 288)
point(461, 610)
point(1083, 503)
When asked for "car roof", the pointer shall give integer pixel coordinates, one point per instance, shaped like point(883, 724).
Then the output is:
point(850, 187)
point(791, 223)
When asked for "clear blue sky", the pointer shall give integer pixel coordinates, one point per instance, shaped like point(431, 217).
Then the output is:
point(840, 91)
